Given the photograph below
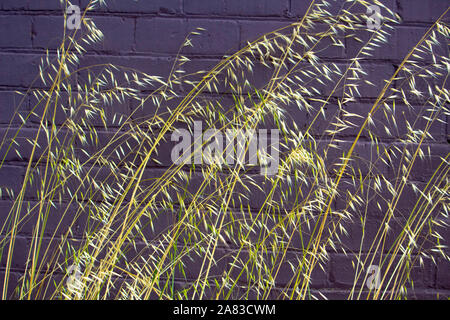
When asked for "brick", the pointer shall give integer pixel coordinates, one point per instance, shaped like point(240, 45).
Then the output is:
point(239, 292)
point(22, 148)
point(60, 218)
point(40, 5)
point(428, 294)
point(358, 239)
point(315, 121)
point(48, 5)
point(318, 276)
point(256, 7)
point(56, 254)
point(447, 131)
point(421, 11)
point(343, 273)
point(258, 77)
point(11, 105)
point(219, 38)
point(118, 34)
point(73, 186)
point(236, 7)
point(362, 159)
point(252, 30)
point(330, 294)
point(111, 142)
point(293, 233)
point(384, 46)
point(48, 32)
point(13, 281)
point(143, 7)
point(377, 74)
point(299, 7)
point(14, 4)
point(443, 275)
point(19, 253)
point(194, 261)
point(420, 90)
point(160, 35)
point(11, 178)
point(409, 37)
point(283, 270)
point(144, 36)
point(156, 225)
point(325, 46)
point(15, 31)
point(391, 124)
point(63, 106)
point(444, 231)
point(423, 168)
point(96, 65)
point(144, 109)
point(204, 7)
point(376, 203)
point(196, 69)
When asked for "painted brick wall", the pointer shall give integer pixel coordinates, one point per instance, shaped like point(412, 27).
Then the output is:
point(146, 34)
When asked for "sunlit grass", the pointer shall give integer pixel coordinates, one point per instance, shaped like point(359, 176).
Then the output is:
point(106, 188)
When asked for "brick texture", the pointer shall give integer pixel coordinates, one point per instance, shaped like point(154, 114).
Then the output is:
point(146, 35)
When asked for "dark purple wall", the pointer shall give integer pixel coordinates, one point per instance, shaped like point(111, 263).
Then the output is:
point(146, 34)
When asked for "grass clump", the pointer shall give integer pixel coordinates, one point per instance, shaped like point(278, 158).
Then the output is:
point(137, 233)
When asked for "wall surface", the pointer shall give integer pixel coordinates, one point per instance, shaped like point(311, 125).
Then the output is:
point(146, 35)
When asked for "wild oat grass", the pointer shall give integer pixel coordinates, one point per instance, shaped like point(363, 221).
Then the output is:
point(107, 189)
